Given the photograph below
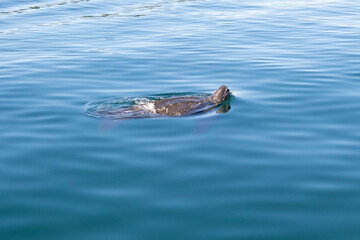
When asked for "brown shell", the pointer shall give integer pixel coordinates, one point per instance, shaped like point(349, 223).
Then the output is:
point(180, 106)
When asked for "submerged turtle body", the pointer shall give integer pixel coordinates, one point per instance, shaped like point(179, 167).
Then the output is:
point(173, 106)
point(181, 106)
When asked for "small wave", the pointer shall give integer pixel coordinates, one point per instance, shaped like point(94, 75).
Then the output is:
point(40, 6)
point(137, 10)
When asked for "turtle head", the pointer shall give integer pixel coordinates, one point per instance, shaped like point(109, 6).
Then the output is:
point(220, 95)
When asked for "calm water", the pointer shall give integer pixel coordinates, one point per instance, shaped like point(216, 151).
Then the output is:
point(283, 163)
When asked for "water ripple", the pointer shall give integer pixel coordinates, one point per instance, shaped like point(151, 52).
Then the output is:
point(40, 7)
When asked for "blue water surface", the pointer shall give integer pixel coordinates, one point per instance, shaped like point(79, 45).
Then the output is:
point(283, 163)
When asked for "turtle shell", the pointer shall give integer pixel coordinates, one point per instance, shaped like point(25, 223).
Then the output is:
point(180, 106)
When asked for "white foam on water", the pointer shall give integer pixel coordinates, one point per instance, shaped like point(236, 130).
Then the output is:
point(146, 105)
point(150, 106)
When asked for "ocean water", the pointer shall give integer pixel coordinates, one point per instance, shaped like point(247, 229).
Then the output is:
point(282, 163)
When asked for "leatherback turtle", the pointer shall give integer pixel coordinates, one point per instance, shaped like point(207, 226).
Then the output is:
point(149, 108)
point(181, 106)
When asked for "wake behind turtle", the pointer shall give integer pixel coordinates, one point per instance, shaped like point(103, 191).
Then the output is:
point(173, 106)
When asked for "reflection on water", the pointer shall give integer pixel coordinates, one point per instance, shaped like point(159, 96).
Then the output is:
point(224, 108)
